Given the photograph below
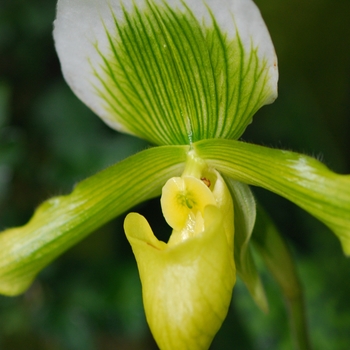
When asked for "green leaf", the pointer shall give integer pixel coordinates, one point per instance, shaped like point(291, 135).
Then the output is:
point(279, 261)
point(61, 222)
point(244, 213)
point(299, 178)
point(171, 72)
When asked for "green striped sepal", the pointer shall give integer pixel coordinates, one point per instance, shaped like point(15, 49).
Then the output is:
point(171, 72)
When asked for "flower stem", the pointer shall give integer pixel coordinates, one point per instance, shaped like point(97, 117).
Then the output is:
point(279, 261)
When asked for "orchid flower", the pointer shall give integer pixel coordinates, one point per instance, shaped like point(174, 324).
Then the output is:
point(187, 76)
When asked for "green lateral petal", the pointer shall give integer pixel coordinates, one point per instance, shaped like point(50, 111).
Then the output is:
point(279, 261)
point(299, 178)
point(245, 213)
point(61, 222)
point(171, 72)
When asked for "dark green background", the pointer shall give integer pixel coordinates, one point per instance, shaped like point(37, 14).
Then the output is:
point(90, 297)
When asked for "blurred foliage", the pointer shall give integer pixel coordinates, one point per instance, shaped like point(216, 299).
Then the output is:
point(90, 298)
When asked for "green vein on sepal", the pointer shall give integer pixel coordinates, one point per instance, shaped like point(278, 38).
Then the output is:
point(61, 222)
point(172, 80)
point(245, 213)
point(299, 178)
point(277, 257)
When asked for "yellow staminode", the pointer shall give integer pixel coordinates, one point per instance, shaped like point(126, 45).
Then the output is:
point(187, 283)
point(183, 202)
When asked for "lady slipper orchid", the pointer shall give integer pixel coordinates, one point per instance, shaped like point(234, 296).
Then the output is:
point(187, 76)
point(187, 283)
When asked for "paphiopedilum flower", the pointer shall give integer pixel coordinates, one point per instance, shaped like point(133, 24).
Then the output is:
point(187, 283)
point(187, 76)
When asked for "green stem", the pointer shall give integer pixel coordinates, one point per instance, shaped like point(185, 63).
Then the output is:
point(297, 321)
point(279, 261)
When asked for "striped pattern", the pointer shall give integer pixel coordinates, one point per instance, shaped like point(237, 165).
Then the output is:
point(172, 80)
